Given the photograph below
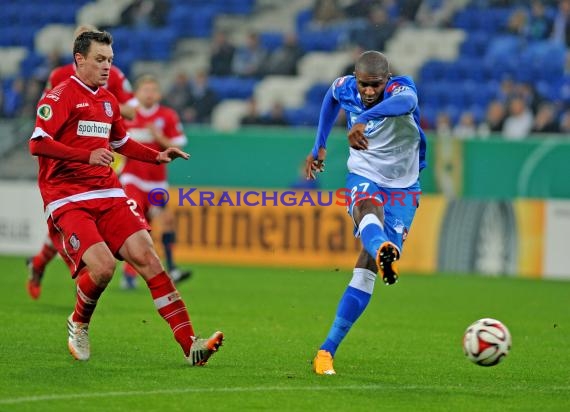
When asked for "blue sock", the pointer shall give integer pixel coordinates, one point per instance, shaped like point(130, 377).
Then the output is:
point(168, 239)
point(351, 306)
point(372, 234)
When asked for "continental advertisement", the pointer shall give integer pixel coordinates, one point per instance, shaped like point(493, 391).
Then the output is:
point(287, 228)
point(303, 229)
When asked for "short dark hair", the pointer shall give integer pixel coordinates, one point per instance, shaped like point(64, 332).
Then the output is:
point(372, 62)
point(83, 41)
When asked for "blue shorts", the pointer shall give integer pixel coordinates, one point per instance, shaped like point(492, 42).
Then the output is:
point(399, 205)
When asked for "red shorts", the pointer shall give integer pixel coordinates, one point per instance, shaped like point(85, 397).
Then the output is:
point(141, 197)
point(77, 226)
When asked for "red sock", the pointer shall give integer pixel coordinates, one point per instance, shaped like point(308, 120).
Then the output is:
point(172, 309)
point(129, 270)
point(87, 295)
point(45, 256)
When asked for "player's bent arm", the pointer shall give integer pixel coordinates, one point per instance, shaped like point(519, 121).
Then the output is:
point(127, 111)
point(327, 118)
point(135, 150)
point(47, 147)
point(396, 105)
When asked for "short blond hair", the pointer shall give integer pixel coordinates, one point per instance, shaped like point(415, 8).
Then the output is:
point(146, 78)
point(82, 29)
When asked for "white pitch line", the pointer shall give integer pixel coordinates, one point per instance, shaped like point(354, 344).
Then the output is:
point(70, 396)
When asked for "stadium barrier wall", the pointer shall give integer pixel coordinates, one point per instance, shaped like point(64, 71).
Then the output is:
point(491, 220)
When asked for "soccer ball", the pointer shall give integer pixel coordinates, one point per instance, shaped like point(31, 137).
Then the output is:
point(486, 342)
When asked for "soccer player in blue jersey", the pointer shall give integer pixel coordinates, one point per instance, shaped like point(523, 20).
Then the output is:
point(387, 153)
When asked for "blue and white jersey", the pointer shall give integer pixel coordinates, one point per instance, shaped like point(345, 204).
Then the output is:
point(396, 142)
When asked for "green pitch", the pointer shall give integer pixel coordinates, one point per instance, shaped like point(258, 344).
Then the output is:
point(404, 354)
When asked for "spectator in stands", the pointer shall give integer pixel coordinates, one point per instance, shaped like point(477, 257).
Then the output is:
point(249, 59)
point(284, 60)
point(443, 125)
point(360, 9)
point(221, 55)
point(561, 25)
point(252, 116)
point(202, 99)
point(178, 94)
point(326, 13)
point(465, 128)
point(438, 13)
point(52, 61)
point(517, 23)
point(376, 32)
point(349, 68)
point(539, 25)
point(276, 116)
point(13, 101)
point(545, 119)
point(33, 93)
point(408, 10)
point(145, 13)
point(494, 119)
point(518, 123)
point(564, 124)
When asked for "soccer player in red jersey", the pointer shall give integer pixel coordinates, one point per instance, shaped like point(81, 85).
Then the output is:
point(90, 219)
point(158, 127)
point(121, 88)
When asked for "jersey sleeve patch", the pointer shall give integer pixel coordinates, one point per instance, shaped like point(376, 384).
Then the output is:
point(399, 89)
point(45, 112)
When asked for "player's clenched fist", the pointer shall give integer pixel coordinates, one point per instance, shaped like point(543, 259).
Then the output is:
point(101, 157)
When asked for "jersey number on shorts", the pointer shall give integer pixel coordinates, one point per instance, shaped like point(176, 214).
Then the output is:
point(133, 206)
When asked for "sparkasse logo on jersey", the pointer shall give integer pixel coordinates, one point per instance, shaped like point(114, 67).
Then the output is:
point(93, 129)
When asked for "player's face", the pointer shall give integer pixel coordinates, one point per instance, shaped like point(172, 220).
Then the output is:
point(94, 68)
point(370, 87)
point(148, 94)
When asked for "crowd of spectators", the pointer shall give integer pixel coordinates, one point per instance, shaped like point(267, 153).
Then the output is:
point(515, 111)
point(518, 109)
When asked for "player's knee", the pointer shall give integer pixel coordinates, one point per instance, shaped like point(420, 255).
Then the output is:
point(145, 257)
point(366, 207)
point(103, 270)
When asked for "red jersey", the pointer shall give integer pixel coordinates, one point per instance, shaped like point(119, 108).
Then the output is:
point(78, 116)
point(118, 84)
point(143, 175)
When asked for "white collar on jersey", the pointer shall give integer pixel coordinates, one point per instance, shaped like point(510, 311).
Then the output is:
point(84, 85)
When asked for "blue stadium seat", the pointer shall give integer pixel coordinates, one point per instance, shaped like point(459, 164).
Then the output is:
point(321, 40)
point(30, 64)
point(306, 116)
point(303, 19)
point(271, 40)
point(466, 19)
point(433, 70)
point(161, 44)
point(475, 45)
point(231, 87)
point(316, 93)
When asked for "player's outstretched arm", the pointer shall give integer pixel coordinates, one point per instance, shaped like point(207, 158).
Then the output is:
point(171, 153)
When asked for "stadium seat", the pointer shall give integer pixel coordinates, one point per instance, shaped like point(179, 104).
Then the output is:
point(316, 93)
point(271, 40)
point(230, 87)
point(321, 40)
